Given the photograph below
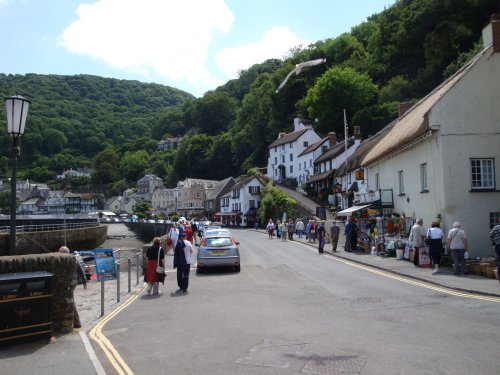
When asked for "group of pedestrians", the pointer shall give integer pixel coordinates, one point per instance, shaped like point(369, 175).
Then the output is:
point(456, 244)
point(285, 229)
point(181, 239)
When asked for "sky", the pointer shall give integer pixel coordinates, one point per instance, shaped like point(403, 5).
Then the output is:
point(192, 45)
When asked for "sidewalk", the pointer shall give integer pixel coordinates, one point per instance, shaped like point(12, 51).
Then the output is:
point(446, 278)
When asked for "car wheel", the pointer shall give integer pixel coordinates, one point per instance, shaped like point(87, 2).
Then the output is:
point(237, 268)
point(199, 270)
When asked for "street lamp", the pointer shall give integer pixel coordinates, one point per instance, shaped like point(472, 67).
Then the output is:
point(16, 109)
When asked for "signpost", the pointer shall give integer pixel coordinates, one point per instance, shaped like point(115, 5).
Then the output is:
point(105, 262)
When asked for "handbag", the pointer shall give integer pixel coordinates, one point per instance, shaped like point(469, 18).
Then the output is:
point(428, 239)
point(159, 269)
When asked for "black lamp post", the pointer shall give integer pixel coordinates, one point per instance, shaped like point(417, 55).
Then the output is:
point(16, 109)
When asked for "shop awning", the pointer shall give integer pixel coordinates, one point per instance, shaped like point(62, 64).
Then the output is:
point(352, 209)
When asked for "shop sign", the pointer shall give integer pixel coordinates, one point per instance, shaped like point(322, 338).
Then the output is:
point(360, 174)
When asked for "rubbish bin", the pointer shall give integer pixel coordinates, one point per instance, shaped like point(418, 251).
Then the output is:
point(25, 305)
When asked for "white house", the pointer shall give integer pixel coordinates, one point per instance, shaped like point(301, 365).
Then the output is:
point(283, 162)
point(306, 158)
point(240, 206)
point(441, 157)
point(164, 200)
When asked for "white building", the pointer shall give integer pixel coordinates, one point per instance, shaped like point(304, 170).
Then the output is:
point(441, 157)
point(240, 206)
point(164, 200)
point(284, 161)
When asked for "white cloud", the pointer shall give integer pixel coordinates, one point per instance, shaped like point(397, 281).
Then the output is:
point(167, 38)
point(275, 43)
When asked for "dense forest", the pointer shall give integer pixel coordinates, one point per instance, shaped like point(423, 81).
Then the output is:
point(113, 126)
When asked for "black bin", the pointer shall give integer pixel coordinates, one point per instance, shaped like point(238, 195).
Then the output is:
point(25, 305)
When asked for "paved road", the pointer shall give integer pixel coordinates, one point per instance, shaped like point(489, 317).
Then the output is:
point(292, 311)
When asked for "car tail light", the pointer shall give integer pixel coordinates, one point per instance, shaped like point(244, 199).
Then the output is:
point(202, 243)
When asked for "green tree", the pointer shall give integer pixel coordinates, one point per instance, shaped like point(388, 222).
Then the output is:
point(134, 164)
point(214, 112)
point(142, 209)
point(274, 203)
point(336, 90)
point(118, 187)
point(5, 202)
point(105, 165)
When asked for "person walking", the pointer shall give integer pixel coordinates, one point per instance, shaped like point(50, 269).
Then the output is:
point(494, 237)
point(435, 234)
point(174, 235)
point(270, 229)
point(155, 258)
point(417, 238)
point(347, 234)
point(354, 234)
point(284, 231)
point(308, 231)
point(321, 236)
point(291, 229)
point(457, 244)
point(279, 228)
point(334, 234)
point(312, 232)
point(77, 272)
point(194, 228)
point(182, 261)
point(300, 228)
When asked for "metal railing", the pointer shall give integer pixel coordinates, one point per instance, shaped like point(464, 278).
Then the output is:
point(138, 260)
point(50, 227)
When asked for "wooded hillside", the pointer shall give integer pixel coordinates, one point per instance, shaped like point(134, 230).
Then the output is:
point(398, 55)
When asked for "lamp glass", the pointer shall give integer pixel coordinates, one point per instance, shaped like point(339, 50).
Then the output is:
point(16, 109)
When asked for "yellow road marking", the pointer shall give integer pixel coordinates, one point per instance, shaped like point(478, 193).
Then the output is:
point(408, 280)
point(111, 353)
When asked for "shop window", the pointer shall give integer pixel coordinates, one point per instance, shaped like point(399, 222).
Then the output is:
point(494, 219)
point(401, 183)
point(482, 174)
point(423, 178)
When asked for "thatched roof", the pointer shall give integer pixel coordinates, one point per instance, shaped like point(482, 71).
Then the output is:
point(354, 161)
point(414, 122)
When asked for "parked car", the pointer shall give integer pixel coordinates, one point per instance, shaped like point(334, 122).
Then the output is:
point(218, 248)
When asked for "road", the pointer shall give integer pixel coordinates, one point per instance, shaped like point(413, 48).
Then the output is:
point(292, 311)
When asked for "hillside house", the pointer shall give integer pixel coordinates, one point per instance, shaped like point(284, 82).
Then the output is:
point(441, 156)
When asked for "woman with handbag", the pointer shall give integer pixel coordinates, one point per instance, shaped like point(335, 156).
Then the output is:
point(434, 238)
point(155, 271)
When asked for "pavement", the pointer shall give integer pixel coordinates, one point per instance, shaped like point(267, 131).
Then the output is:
point(74, 352)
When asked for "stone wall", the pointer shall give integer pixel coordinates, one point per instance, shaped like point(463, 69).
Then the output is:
point(46, 242)
point(62, 266)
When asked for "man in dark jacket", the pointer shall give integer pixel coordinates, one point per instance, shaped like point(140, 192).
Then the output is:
point(182, 261)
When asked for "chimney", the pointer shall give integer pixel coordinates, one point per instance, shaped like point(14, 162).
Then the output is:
point(404, 107)
point(491, 33)
point(281, 135)
point(332, 137)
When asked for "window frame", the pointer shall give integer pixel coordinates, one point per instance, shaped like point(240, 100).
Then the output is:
point(424, 178)
point(487, 175)
point(401, 183)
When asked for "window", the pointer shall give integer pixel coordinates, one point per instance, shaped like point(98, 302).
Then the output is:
point(275, 148)
point(275, 160)
point(291, 168)
point(377, 182)
point(236, 193)
point(282, 158)
point(401, 183)
point(494, 219)
point(423, 177)
point(283, 147)
point(291, 157)
point(306, 144)
point(305, 164)
point(323, 148)
point(251, 203)
point(291, 144)
point(482, 173)
point(254, 189)
point(300, 165)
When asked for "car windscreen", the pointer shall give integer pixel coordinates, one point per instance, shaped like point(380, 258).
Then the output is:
point(218, 241)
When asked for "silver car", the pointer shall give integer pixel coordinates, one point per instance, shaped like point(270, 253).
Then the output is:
point(218, 248)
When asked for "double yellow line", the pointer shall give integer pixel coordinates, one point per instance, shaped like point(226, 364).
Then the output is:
point(421, 284)
point(111, 353)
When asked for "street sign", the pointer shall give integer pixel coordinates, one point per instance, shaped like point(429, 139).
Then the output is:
point(105, 261)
